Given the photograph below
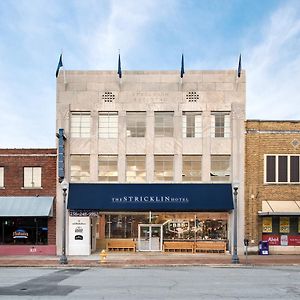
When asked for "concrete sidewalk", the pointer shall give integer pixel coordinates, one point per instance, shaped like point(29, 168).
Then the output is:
point(148, 259)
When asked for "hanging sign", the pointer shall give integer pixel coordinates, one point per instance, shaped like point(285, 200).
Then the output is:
point(267, 225)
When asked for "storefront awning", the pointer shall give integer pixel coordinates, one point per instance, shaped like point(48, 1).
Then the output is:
point(150, 197)
point(282, 208)
point(26, 206)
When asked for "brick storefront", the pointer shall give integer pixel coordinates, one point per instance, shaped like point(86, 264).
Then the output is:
point(12, 162)
point(279, 140)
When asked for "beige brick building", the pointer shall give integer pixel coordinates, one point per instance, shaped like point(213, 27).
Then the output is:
point(272, 189)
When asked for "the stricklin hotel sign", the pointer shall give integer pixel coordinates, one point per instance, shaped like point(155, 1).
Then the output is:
point(147, 199)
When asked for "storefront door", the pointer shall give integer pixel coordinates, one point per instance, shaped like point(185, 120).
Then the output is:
point(150, 237)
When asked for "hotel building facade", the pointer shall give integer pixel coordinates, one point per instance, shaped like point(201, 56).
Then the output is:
point(151, 160)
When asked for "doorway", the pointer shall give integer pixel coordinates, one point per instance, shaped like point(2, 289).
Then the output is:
point(150, 237)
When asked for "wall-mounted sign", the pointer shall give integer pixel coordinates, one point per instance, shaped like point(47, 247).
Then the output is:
point(284, 240)
point(284, 224)
point(273, 239)
point(78, 237)
point(267, 225)
point(178, 226)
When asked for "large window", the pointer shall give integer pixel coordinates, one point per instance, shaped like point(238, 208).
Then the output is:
point(191, 124)
point(191, 168)
point(80, 167)
point(108, 168)
point(163, 168)
point(164, 124)
point(24, 230)
point(282, 168)
point(136, 124)
point(108, 124)
point(220, 168)
point(32, 177)
point(80, 124)
point(136, 168)
point(1, 177)
point(220, 124)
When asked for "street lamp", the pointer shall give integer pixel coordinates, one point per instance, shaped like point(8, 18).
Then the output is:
point(63, 259)
point(235, 258)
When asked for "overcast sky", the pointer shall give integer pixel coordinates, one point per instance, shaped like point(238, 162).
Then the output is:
point(151, 34)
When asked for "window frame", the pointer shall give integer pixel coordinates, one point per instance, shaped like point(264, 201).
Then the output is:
point(197, 130)
point(144, 169)
point(288, 170)
point(136, 126)
point(109, 131)
point(230, 168)
point(226, 127)
point(2, 180)
point(72, 176)
point(164, 170)
point(31, 178)
point(80, 127)
point(108, 165)
point(184, 176)
point(164, 126)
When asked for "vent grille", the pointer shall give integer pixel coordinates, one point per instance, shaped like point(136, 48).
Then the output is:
point(108, 97)
point(192, 97)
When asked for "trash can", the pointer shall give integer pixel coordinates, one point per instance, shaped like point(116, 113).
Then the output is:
point(263, 248)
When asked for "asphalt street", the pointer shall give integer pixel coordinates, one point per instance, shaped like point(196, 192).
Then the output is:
point(151, 283)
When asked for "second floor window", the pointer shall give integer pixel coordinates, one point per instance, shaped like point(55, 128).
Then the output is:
point(80, 124)
point(108, 168)
point(191, 124)
point(136, 124)
point(32, 177)
point(80, 167)
point(220, 168)
point(136, 168)
point(163, 168)
point(1, 177)
point(282, 168)
point(108, 125)
point(191, 168)
point(164, 124)
point(220, 124)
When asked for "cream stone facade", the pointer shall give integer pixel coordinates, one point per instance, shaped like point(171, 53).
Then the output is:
point(206, 92)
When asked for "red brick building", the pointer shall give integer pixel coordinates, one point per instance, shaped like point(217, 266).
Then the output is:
point(27, 201)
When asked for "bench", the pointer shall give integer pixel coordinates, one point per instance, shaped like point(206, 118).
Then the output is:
point(178, 247)
point(121, 245)
point(210, 247)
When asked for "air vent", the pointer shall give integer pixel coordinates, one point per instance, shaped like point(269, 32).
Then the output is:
point(192, 97)
point(108, 97)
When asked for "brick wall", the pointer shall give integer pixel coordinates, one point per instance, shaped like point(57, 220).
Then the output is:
point(14, 160)
point(266, 137)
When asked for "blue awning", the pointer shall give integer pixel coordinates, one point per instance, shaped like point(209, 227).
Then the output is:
point(150, 197)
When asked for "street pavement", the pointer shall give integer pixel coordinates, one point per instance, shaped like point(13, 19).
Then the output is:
point(156, 282)
point(148, 259)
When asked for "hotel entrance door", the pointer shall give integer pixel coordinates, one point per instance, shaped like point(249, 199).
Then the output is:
point(150, 237)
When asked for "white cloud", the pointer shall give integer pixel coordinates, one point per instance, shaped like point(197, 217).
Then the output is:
point(273, 67)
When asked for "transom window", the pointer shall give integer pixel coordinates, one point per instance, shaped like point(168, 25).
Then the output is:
point(136, 124)
point(80, 167)
point(220, 168)
point(108, 124)
point(136, 168)
point(220, 124)
point(281, 168)
point(80, 124)
point(164, 126)
point(191, 124)
point(108, 168)
point(191, 168)
point(163, 168)
point(1, 177)
point(32, 177)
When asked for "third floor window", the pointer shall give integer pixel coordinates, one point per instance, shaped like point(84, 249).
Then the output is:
point(164, 126)
point(136, 124)
point(191, 124)
point(108, 124)
point(220, 124)
point(80, 124)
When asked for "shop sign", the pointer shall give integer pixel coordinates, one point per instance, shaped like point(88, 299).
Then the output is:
point(284, 225)
point(146, 199)
point(284, 240)
point(20, 234)
point(267, 225)
point(179, 226)
point(294, 240)
point(273, 239)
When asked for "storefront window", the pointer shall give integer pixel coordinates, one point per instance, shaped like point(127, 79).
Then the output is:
point(178, 226)
point(24, 231)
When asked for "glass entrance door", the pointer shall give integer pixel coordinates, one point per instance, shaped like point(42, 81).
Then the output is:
point(150, 237)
